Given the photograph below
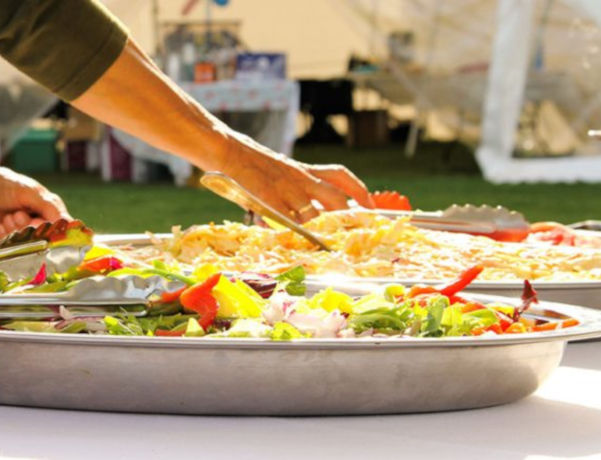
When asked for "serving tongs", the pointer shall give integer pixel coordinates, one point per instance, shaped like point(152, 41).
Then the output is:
point(228, 188)
point(498, 222)
point(58, 245)
point(96, 296)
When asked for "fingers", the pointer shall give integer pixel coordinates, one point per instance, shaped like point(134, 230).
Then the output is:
point(329, 196)
point(46, 204)
point(22, 219)
point(301, 208)
point(12, 222)
point(8, 222)
point(340, 177)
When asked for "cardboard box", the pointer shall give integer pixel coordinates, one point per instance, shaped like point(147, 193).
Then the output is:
point(260, 66)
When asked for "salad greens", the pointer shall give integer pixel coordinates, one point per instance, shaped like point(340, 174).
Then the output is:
point(250, 305)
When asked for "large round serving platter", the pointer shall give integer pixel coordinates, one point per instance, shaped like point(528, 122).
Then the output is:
point(586, 293)
point(300, 377)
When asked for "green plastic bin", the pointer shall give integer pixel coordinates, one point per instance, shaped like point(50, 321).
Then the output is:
point(35, 152)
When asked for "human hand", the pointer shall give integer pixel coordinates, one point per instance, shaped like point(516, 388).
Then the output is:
point(24, 201)
point(290, 186)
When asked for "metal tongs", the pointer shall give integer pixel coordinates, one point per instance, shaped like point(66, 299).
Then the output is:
point(497, 222)
point(96, 296)
point(228, 188)
point(58, 245)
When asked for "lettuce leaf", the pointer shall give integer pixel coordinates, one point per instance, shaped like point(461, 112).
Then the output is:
point(284, 331)
point(4, 282)
point(293, 281)
point(371, 302)
point(32, 326)
point(194, 329)
point(384, 319)
point(248, 328)
point(431, 327)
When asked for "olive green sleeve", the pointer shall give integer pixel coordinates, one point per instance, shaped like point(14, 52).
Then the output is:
point(65, 45)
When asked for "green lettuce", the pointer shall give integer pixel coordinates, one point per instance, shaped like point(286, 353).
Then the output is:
point(284, 331)
point(293, 281)
point(247, 328)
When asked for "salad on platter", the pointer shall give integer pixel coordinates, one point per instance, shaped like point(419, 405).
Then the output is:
point(210, 303)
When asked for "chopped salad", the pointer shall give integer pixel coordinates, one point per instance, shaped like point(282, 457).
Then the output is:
point(209, 303)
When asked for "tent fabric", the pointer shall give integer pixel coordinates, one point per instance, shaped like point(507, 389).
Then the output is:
point(503, 103)
point(555, 59)
point(525, 76)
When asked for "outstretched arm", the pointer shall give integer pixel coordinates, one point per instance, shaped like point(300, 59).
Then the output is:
point(82, 53)
point(137, 97)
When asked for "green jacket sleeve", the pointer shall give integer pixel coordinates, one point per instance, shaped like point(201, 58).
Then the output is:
point(65, 45)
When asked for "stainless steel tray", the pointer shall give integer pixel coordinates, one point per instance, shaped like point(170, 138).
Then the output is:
point(585, 293)
point(301, 377)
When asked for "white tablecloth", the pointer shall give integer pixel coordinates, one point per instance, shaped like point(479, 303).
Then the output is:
point(561, 420)
point(264, 109)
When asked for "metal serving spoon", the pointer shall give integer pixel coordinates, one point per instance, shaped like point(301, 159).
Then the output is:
point(228, 188)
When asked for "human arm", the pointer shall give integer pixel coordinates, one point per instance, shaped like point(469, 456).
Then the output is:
point(159, 112)
point(131, 93)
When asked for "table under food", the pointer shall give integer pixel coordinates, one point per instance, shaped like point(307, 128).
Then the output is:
point(229, 319)
point(560, 420)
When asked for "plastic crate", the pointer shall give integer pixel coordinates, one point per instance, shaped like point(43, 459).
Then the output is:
point(35, 152)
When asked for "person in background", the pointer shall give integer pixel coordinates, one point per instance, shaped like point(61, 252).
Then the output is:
point(82, 53)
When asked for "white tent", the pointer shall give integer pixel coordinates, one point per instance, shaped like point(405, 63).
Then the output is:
point(509, 75)
point(513, 75)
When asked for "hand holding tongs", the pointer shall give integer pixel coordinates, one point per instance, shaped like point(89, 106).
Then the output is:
point(23, 252)
point(228, 188)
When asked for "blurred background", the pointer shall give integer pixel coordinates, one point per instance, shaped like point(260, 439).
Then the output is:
point(470, 101)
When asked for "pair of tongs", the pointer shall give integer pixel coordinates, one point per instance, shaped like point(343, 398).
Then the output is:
point(58, 245)
point(228, 188)
point(96, 296)
point(498, 222)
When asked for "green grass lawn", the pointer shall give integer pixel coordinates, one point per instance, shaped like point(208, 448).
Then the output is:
point(438, 176)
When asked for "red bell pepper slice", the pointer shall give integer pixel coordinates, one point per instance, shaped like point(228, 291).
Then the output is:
point(570, 323)
point(551, 326)
point(101, 264)
point(40, 277)
point(464, 280)
point(165, 333)
point(198, 298)
point(418, 290)
point(170, 297)
point(496, 328)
